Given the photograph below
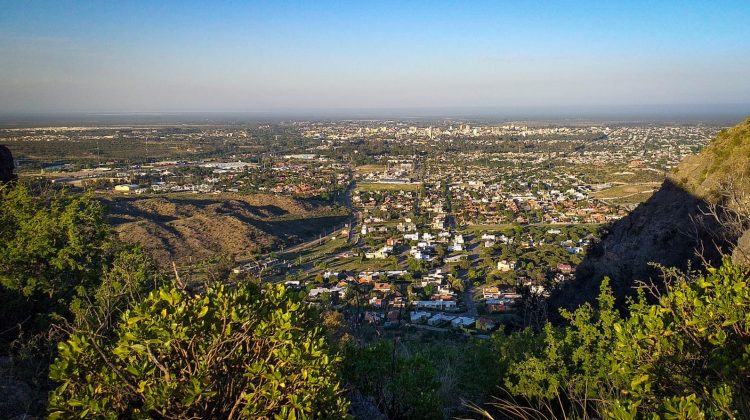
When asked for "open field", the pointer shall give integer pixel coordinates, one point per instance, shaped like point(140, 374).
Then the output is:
point(619, 174)
point(628, 193)
point(375, 186)
point(353, 264)
point(327, 247)
point(366, 169)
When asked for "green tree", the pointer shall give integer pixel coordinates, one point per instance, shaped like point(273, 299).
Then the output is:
point(404, 387)
point(247, 352)
point(54, 246)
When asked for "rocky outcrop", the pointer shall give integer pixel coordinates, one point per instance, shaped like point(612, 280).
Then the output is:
point(7, 166)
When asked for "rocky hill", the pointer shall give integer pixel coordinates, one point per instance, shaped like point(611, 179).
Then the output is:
point(190, 229)
point(676, 227)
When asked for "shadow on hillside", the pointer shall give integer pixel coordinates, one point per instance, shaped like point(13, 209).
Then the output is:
point(166, 209)
point(669, 229)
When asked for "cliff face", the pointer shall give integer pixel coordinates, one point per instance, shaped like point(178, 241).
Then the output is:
point(672, 228)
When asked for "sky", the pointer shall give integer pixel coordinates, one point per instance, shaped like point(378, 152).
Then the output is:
point(130, 56)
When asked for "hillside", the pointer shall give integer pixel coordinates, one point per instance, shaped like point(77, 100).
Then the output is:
point(726, 158)
point(188, 228)
point(672, 227)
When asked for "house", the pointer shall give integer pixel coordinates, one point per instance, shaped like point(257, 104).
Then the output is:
point(382, 287)
point(391, 242)
point(375, 302)
point(435, 304)
point(564, 268)
point(574, 249)
point(463, 322)
point(491, 292)
point(411, 236)
point(419, 316)
point(440, 319)
point(488, 237)
point(380, 254)
point(444, 289)
point(494, 306)
point(506, 265)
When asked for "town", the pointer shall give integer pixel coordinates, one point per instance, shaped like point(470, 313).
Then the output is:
point(455, 226)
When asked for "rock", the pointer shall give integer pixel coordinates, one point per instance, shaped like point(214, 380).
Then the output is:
point(7, 165)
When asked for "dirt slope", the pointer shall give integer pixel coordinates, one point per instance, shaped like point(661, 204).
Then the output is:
point(187, 228)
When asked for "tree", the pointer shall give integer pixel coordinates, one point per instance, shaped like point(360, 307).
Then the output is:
point(404, 387)
point(248, 352)
point(50, 247)
point(54, 247)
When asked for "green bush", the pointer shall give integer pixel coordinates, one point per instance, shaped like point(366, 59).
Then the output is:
point(687, 356)
point(246, 352)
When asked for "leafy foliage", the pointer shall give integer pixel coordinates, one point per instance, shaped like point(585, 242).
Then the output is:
point(688, 356)
point(223, 354)
point(50, 246)
point(54, 246)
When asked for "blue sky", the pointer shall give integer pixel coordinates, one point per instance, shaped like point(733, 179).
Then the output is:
point(262, 56)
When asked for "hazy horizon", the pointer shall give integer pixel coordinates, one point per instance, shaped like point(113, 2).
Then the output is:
point(325, 58)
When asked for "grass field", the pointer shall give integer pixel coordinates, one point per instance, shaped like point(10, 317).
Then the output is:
point(327, 247)
point(628, 193)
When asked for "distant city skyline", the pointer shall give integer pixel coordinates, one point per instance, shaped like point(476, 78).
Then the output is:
point(433, 58)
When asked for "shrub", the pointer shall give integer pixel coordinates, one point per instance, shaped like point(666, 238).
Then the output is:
point(687, 356)
point(247, 352)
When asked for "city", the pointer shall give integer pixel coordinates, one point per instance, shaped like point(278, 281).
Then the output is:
point(450, 225)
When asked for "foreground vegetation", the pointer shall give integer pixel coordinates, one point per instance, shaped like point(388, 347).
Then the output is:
point(686, 356)
point(116, 338)
point(127, 342)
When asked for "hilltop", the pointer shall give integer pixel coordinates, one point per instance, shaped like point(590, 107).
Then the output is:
point(674, 228)
point(726, 158)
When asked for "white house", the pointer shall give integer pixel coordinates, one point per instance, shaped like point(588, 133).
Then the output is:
point(506, 265)
point(419, 316)
point(440, 318)
point(463, 321)
point(435, 304)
